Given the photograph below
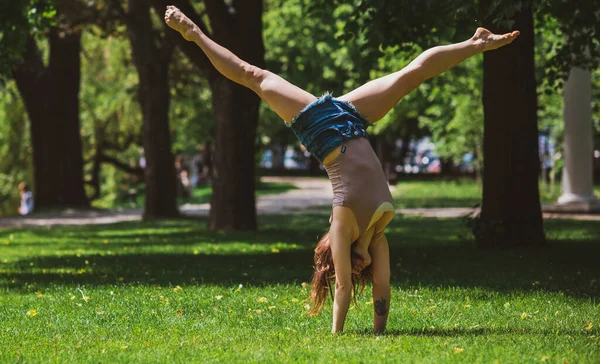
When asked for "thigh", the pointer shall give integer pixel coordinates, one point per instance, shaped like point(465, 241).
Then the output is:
point(285, 98)
point(344, 216)
point(376, 98)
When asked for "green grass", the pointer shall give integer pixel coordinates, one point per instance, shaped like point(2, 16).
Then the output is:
point(174, 292)
point(454, 193)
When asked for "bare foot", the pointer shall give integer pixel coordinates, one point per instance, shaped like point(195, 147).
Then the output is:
point(488, 41)
point(179, 22)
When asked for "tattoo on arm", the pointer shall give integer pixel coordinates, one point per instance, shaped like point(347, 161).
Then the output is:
point(381, 308)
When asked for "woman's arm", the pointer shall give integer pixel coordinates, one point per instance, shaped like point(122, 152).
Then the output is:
point(339, 240)
point(380, 255)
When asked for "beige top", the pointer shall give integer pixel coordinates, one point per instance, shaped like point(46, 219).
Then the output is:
point(359, 182)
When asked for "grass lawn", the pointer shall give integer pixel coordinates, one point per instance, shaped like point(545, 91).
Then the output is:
point(174, 292)
point(454, 193)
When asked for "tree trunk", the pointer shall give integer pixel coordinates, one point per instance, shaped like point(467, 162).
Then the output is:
point(233, 206)
point(237, 26)
point(51, 97)
point(511, 212)
point(152, 64)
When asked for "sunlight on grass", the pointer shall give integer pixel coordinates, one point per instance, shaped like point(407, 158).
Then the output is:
point(463, 192)
point(173, 291)
point(424, 194)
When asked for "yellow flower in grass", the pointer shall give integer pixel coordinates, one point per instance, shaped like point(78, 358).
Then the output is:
point(262, 300)
point(177, 289)
point(31, 313)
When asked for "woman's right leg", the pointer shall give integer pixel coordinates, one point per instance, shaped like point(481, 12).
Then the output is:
point(376, 98)
point(283, 97)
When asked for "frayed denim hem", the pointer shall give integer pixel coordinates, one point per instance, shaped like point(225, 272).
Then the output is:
point(326, 96)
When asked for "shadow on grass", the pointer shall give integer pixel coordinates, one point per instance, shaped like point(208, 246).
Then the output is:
point(425, 252)
point(478, 331)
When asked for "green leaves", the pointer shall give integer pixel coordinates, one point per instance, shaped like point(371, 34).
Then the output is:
point(18, 19)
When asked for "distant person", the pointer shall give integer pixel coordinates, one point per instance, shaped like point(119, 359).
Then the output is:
point(333, 130)
point(207, 162)
point(26, 206)
point(181, 171)
point(185, 184)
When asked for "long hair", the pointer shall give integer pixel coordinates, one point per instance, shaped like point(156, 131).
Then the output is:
point(324, 275)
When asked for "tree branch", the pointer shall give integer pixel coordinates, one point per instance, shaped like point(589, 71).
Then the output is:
point(220, 18)
point(30, 69)
point(106, 145)
point(167, 48)
point(123, 16)
point(120, 165)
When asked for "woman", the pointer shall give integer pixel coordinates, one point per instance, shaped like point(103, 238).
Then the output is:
point(333, 130)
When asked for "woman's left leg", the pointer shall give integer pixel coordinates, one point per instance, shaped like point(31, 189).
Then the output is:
point(376, 98)
point(380, 255)
point(283, 97)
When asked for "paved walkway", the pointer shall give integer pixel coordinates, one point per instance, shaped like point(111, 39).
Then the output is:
point(311, 193)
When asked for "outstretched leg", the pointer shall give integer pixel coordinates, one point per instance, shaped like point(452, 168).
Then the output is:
point(376, 98)
point(283, 97)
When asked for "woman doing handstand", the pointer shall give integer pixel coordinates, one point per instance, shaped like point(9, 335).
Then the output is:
point(333, 130)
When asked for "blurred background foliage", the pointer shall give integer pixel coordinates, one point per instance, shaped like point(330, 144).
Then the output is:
point(322, 46)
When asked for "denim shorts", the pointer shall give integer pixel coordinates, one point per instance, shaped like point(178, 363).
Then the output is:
point(326, 123)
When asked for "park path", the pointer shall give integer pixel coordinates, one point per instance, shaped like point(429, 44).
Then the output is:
point(310, 193)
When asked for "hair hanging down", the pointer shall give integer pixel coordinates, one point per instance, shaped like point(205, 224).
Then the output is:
point(324, 275)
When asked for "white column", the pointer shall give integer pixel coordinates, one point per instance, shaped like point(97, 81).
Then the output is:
point(577, 182)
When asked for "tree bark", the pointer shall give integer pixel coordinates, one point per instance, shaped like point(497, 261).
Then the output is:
point(237, 26)
point(51, 97)
point(511, 212)
point(152, 64)
point(236, 110)
point(233, 206)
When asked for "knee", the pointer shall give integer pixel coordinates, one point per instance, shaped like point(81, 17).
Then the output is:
point(252, 76)
point(381, 279)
